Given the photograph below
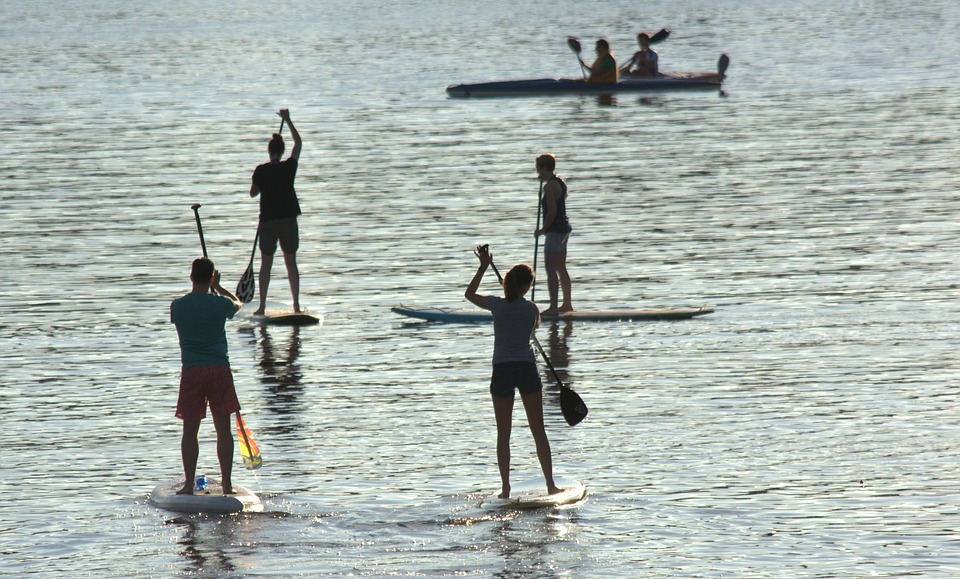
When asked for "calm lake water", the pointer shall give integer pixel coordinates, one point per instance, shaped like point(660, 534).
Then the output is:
point(808, 428)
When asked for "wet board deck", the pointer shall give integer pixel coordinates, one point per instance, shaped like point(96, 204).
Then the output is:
point(444, 315)
point(278, 317)
point(532, 494)
point(209, 500)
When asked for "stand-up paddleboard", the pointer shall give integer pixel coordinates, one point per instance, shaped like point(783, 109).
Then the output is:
point(532, 494)
point(444, 315)
point(209, 500)
point(287, 317)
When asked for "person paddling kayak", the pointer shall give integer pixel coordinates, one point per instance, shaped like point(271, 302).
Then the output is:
point(604, 68)
point(645, 62)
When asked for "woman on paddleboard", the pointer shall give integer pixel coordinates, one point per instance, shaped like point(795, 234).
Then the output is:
point(279, 209)
point(556, 227)
point(514, 364)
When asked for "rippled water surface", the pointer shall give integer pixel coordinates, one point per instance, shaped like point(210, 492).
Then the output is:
point(808, 428)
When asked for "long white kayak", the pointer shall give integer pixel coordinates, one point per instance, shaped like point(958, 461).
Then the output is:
point(461, 316)
point(209, 500)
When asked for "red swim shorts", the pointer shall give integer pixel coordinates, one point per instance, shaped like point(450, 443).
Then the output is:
point(202, 384)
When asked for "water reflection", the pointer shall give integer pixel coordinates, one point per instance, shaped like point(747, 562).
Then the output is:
point(530, 545)
point(559, 353)
point(280, 371)
point(209, 543)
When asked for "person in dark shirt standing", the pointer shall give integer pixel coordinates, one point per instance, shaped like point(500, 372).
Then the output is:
point(279, 209)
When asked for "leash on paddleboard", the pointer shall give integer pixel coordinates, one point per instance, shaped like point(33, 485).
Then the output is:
point(573, 408)
point(249, 450)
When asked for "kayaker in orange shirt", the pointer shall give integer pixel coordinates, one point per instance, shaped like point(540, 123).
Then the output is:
point(604, 68)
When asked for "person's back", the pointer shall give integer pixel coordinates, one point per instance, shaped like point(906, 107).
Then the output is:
point(513, 324)
point(278, 198)
point(199, 318)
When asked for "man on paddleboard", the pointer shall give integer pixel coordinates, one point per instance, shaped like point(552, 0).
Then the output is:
point(279, 209)
point(206, 376)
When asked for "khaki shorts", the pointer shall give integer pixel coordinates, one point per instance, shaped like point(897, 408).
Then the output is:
point(283, 230)
point(555, 242)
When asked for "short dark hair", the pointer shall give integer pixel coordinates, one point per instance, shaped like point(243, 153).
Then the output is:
point(202, 271)
point(547, 161)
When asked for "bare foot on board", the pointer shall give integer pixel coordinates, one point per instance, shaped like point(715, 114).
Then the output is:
point(186, 490)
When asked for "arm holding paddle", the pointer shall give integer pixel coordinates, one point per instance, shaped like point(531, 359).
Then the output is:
point(222, 291)
point(297, 143)
point(483, 254)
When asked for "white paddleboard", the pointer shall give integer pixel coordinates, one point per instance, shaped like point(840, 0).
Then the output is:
point(532, 494)
point(209, 500)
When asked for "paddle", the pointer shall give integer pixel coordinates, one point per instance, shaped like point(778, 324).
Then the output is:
point(247, 286)
point(572, 407)
point(722, 65)
point(574, 45)
point(536, 245)
point(248, 446)
point(660, 36)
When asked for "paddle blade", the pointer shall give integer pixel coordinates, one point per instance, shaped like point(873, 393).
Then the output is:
point(660, 36)
point(722, 65)
point(574, 44)
point(572, 406)
point(247, 286)
point(248, 446)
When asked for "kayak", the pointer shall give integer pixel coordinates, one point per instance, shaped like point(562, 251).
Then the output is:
point(549, 86)
point(461, 316)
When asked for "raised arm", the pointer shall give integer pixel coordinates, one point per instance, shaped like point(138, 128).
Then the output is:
point(297, 143)
point(471, 294)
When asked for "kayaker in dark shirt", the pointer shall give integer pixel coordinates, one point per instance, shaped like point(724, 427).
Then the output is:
point(279, 209)
point(645, 62)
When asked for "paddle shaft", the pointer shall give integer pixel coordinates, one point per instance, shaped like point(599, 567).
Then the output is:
point(536, 246)
point(196, 214)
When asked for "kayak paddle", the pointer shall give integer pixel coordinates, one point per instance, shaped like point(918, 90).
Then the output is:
point(660, 36)
point(573, 408)
point(722, 65)
point(574, 45)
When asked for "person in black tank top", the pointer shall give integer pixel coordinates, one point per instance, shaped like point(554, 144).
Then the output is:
point(557, 228)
